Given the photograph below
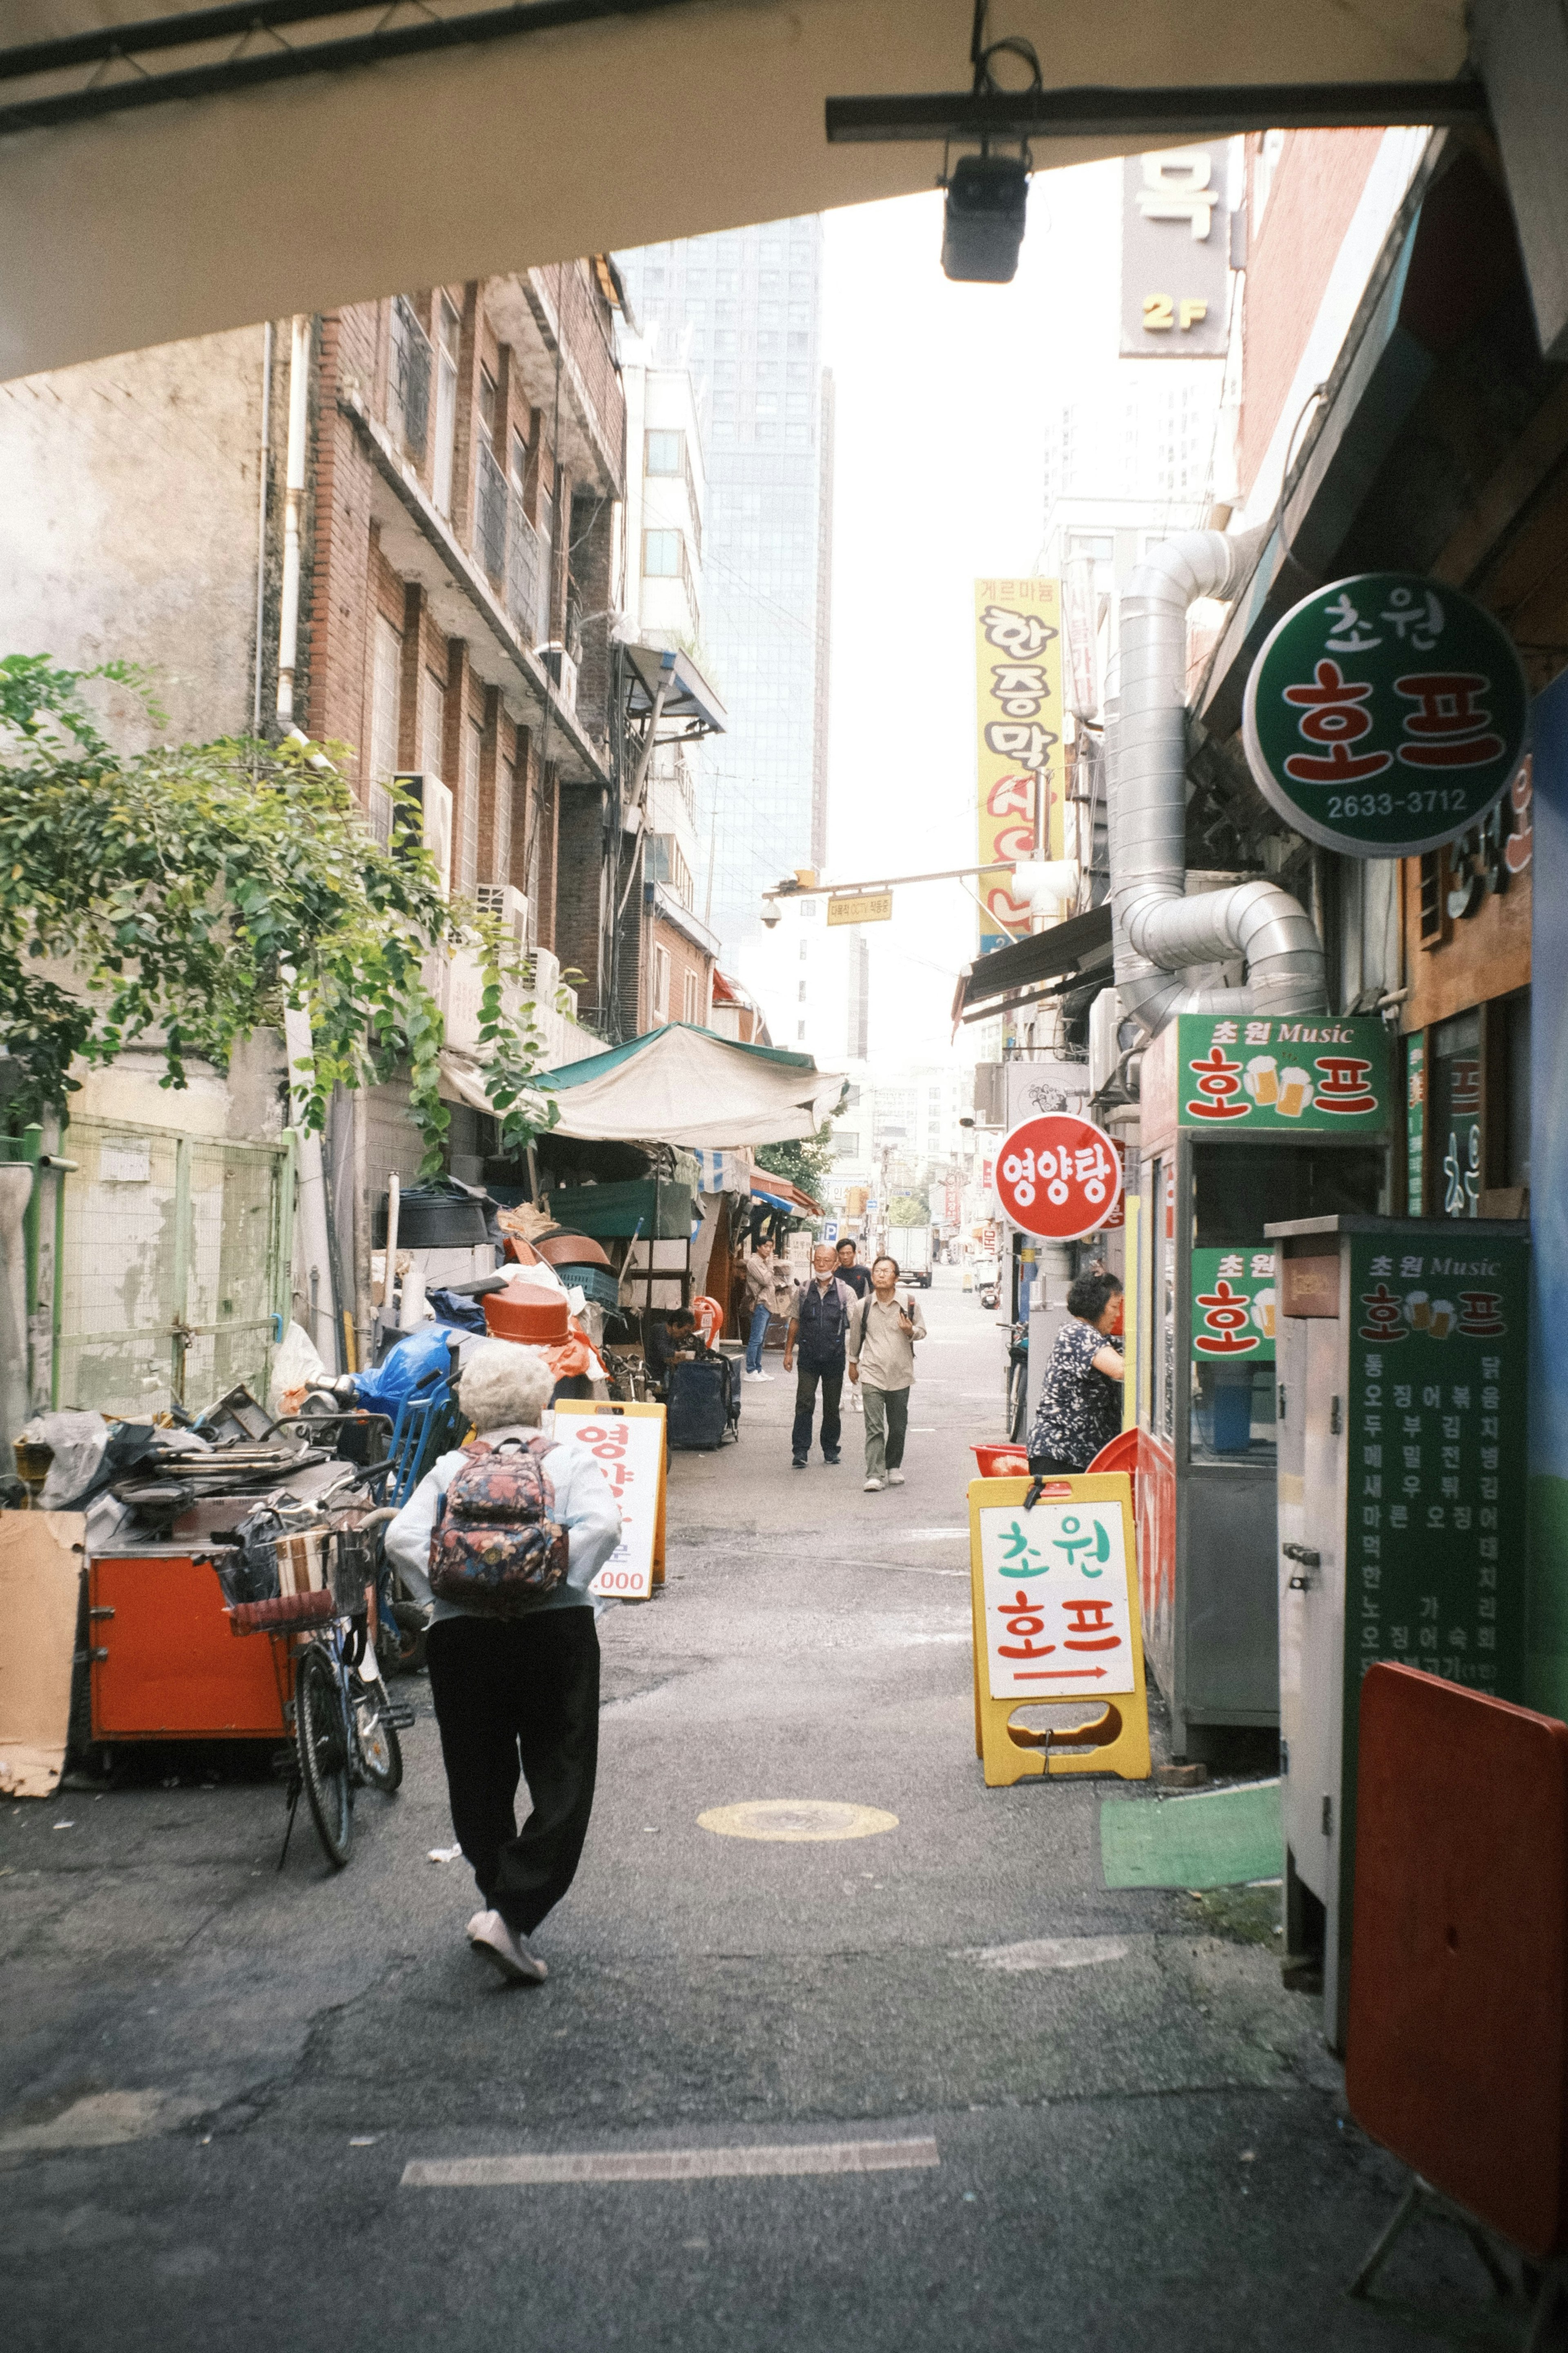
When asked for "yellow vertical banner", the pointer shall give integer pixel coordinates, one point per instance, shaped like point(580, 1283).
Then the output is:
point(1021, 761)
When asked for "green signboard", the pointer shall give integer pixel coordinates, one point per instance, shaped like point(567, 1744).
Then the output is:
point(1238, 1076)
point(1435, 1544)
point(1384, 715)
point(1234, 1306)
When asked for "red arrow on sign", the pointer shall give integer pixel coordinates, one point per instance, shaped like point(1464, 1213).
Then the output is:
point(1058, 1674)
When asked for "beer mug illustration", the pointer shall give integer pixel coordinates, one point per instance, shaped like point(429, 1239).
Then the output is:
point(1295, 1092)
point(1263, 1313)
point(1417, 1309)
point(1261, 1079)
point(1441, 1321)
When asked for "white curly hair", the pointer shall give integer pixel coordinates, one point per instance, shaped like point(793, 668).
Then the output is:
point(504, 1382)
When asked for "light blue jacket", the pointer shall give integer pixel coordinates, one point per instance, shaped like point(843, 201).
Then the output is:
point(583, 1507)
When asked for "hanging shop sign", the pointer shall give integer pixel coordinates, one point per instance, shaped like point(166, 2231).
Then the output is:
point(1020, 765)
point(1058, 1176)
point(1235, 1076)
point(1385, 716)
point(1175, 255)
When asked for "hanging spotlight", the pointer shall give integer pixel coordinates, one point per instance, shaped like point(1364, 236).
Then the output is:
point(982, 221)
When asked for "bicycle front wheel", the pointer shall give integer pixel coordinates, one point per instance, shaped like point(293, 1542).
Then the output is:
point(380, 1750)
point(322, 1735)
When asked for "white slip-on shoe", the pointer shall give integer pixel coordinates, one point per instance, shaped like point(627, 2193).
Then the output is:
point(507, 1948)
point(895, 1478)
point(873, 1487)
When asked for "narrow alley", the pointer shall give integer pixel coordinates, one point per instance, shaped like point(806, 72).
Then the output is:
point(1104, 2111)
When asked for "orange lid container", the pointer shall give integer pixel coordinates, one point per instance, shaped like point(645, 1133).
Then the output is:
point(538, 1320)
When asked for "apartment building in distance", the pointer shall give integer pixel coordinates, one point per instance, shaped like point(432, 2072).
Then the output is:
point(741, 311)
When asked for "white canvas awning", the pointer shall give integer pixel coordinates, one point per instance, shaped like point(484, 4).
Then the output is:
point(684, 1086)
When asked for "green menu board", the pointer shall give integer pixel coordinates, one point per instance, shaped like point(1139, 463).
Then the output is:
point(1234, 1306)
point(1435, 1540)
point(1319, 1071)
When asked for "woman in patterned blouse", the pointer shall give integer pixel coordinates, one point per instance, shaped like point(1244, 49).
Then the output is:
point(1080, 1396)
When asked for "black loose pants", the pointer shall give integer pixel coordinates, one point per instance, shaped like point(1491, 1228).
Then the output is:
point(518, 1698)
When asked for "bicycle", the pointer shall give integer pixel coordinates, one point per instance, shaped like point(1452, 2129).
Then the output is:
point(343, 1725)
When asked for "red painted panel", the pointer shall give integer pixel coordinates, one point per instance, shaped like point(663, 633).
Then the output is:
point(1457, 2057)
point(173, 1670)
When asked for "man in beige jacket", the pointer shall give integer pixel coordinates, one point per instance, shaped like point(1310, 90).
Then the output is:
point(883, 1330)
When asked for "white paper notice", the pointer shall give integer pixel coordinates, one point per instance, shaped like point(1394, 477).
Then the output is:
point(629, 1450)
point(1057, 1625)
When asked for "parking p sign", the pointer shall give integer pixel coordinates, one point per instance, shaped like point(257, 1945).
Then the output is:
point(1058, 1177)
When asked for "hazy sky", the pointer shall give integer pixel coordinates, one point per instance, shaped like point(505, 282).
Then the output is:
point(942, 392)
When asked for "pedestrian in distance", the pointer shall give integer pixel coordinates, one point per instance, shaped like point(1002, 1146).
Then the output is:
point(882, 1335)
point(819, 1319)
point(761, 1305)
point(514, 1666)
point(1080, 1392)
point(859, 1281)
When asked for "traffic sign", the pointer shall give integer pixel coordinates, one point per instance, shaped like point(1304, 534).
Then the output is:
point(1058, 1177)
point(1384, 715)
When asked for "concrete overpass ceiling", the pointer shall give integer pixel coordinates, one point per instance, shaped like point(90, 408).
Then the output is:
point(182, 218)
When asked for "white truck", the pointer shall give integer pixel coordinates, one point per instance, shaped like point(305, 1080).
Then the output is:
point(910, 1245)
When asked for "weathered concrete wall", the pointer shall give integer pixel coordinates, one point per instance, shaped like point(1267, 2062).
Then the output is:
point(127, 526)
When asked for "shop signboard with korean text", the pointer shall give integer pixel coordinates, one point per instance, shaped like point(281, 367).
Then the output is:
point(1439, 1409)
point(1175, 254)
point(1239, 1076)
point(1235, 1307)
point(1385, 714)
point(1058, 1177)
point(1053, 1596)
point(627, 1443)
point(1020, 762)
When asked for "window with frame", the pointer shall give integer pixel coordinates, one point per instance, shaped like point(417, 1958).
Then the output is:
point(661, 556)
point(385, 715)
point(661, 982)
point(664, 451)
point(433, 727)
point(691, 991)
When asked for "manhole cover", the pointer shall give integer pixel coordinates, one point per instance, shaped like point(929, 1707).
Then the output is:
point(796, 1819)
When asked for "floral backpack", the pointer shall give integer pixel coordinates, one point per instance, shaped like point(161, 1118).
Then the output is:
point(496, 1548)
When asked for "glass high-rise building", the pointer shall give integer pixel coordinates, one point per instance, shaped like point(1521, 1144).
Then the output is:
point(742, 311)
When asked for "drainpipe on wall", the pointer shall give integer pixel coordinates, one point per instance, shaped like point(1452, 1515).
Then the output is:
point(1159, 932)
point(293, 501)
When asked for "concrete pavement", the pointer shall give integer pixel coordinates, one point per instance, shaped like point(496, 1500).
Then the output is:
point(213, 2077)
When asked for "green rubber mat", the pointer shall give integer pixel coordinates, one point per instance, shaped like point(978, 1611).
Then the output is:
point(1222, 1838)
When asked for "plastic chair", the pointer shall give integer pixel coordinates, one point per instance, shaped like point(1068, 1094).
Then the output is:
point(423, 1429)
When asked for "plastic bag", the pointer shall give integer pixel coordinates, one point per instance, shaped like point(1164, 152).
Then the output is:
point(296, 1367)
point(417, 1356)
point(78, 1441)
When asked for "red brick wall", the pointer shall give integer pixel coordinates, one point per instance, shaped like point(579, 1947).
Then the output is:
point(331, 684)
point(1318, 183)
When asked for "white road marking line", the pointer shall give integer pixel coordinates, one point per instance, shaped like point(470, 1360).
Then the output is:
point(1051, 1953)
point(666, 2164)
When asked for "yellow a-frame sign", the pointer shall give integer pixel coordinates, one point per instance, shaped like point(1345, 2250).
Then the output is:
point(1054, 1595)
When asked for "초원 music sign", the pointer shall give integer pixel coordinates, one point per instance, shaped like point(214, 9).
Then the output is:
point(1384, 715)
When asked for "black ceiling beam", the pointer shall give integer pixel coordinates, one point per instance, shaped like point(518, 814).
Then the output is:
point(129, 45)
point(1162, 116)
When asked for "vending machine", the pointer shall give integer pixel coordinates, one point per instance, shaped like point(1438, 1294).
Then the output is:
point(1403, 1395)
point(1245, 1121)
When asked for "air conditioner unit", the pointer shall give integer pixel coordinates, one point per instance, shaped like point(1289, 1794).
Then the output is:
point(546, 974)
point(562, 672)
point(433, 800)
point(510, 908)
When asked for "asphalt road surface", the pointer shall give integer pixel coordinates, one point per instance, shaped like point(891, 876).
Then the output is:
point(929, 2085)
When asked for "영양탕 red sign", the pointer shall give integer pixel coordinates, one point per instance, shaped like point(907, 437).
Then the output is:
point(1058, 1177)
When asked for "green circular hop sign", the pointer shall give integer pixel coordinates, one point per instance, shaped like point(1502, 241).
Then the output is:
point(1385, 716)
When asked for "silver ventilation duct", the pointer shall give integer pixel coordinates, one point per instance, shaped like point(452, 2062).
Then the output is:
point(1158, 931)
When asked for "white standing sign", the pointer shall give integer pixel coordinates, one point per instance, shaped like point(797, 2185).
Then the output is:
point(1053, 1581)
point(629, 1450)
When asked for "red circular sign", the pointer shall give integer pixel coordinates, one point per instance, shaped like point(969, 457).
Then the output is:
point(1058, 1176)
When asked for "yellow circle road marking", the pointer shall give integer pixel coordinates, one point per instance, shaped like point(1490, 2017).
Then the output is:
point(795, 1820)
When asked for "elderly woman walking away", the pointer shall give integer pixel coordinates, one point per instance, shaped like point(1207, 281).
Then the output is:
point(503, 1536)
point(1080, 1393)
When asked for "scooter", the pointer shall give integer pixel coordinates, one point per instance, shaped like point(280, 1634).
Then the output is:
point(990, 1294)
